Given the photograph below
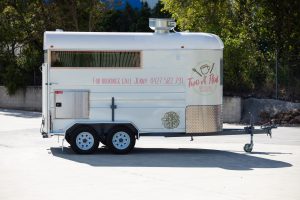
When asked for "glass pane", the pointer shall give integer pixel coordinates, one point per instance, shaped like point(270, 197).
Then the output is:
point(94, 59)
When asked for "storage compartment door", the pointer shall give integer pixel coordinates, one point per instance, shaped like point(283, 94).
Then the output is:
point(71, 104)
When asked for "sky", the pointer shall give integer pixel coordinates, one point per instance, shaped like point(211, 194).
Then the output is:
point(120, 4)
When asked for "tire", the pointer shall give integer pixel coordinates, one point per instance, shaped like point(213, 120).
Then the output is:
point(120, 140)
point(67, 138)
point(84, 140)
point(248, 148)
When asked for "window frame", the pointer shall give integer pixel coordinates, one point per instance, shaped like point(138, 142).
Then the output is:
point(140, 52)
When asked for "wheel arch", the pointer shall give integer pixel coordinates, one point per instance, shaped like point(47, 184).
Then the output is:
point(102, 129)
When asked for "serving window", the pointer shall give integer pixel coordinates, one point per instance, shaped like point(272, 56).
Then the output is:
point(95, 59)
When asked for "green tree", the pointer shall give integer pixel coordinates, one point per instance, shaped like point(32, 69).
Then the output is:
point(21, 43)
point(280, 32)
point(251, 32)
point(79, 15)
point(159, 12)
point(127, 20)
point(142, 24)
point(22, 24)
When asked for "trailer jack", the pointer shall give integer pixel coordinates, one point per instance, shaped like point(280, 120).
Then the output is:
point(192, 139)
point(249, 146)
point(62, 142)
point(266, 128)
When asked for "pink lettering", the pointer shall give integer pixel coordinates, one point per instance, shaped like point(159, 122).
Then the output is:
point(213, 79)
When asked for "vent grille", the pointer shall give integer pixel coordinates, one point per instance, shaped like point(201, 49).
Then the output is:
point(162, 25)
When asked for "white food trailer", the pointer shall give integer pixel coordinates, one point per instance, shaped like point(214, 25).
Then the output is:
point(115, 87)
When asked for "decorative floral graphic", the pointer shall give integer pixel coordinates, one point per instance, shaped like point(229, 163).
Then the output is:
point(171, 120)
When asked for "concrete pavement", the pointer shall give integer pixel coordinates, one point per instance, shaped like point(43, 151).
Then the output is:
point(159, 168)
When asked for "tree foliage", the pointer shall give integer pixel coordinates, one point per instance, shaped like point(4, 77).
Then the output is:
point(23, 22)
point(21, 41)
point(252, 32)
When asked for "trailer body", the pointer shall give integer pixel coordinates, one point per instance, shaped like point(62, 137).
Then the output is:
point(148, 82)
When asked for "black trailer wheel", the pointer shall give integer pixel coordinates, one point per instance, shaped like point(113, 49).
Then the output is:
point(120, 140)
point(84, 140)
point(67, 138)
point(248, 148)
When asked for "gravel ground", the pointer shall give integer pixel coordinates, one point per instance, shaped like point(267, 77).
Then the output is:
point(270, 106)
point(212, 167)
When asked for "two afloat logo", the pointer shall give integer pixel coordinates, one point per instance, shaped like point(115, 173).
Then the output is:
point(204, 78)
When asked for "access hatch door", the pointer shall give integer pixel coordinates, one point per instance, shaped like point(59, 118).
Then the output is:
point(71, 104)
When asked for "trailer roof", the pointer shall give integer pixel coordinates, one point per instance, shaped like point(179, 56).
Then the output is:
point(129, 41)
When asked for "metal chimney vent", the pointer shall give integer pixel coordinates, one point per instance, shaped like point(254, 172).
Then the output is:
point(162, 25)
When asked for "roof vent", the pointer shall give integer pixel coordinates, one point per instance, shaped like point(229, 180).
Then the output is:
point(59, 30)
point(162, 25)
